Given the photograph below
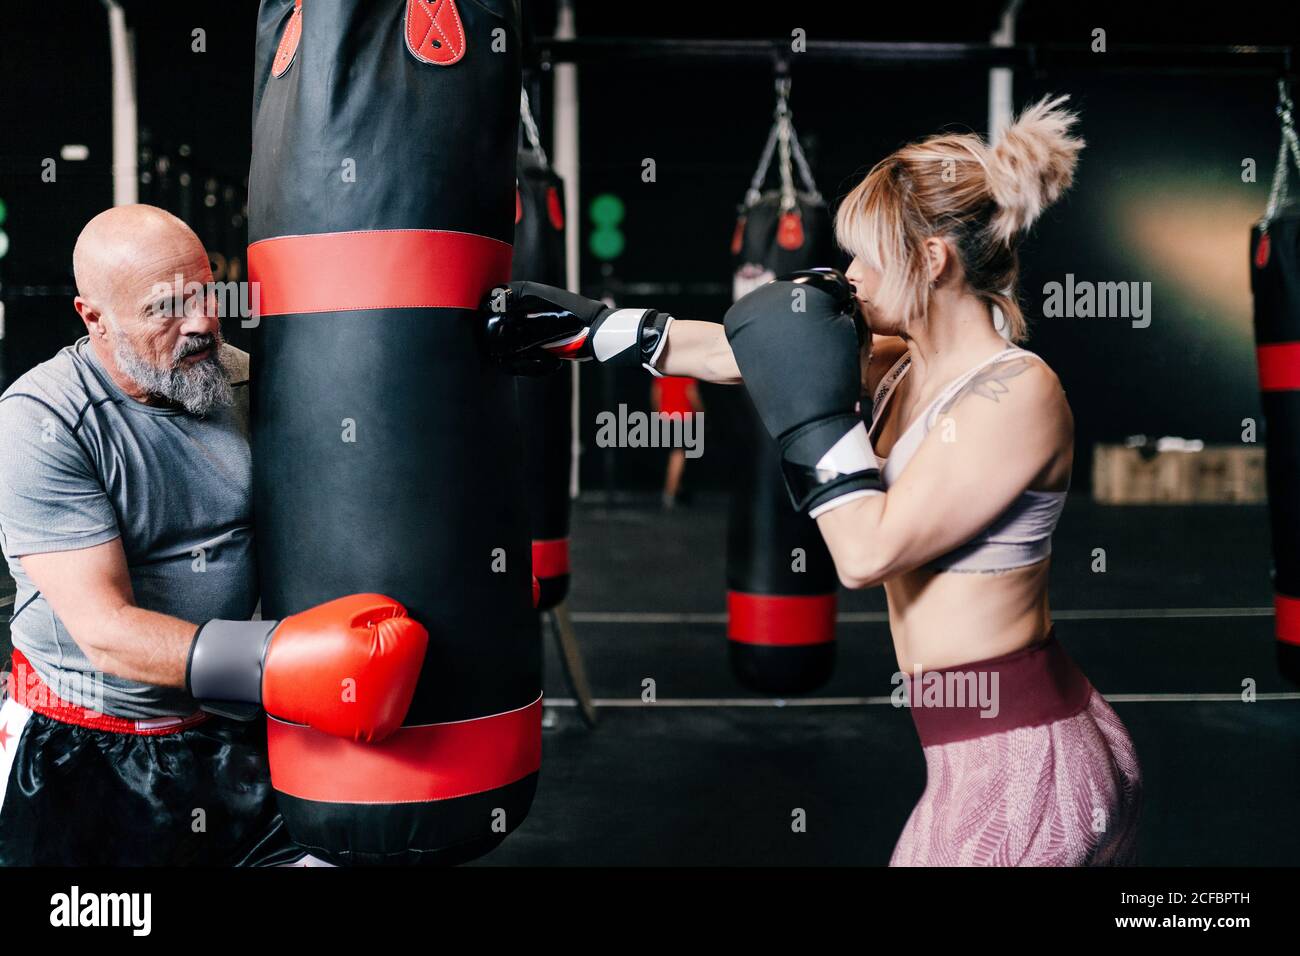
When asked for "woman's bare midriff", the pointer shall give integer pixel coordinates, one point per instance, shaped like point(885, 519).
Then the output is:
point(942, 619)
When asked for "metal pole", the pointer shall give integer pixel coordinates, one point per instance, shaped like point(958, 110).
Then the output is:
point(1125, 58)
point(565, 151)
point(1001, 103)
point(126, 150)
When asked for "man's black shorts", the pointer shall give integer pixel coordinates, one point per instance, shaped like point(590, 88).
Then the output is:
point(76, 796)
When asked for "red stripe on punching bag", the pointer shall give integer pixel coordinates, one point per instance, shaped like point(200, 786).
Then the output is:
point(554, 211)
point(780, 620)
point(390, 269)
point(551, 558)
point(1279, 367)
point(1287, 619)
point(413, 765)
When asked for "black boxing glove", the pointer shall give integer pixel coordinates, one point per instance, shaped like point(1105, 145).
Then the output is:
point(529, 328)
point(797, 341)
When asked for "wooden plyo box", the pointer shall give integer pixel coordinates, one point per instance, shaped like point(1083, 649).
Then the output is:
point(1215, 474)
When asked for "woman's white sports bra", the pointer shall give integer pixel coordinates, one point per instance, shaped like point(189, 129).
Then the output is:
point(1021, 535)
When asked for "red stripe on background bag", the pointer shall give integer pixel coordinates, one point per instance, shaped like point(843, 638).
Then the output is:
point(1279, 367)
point(551, 557)
point(1286, 611)
point(783, 620)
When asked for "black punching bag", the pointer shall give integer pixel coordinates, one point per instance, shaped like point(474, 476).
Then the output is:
point(380, 215)
point(544, 401)
point(1275, 282)
point(771, 239)
point(781, 581)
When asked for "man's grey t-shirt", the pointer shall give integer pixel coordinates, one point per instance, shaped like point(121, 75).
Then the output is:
point(81, 464)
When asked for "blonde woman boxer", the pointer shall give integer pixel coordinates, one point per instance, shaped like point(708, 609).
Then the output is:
point(950, 497)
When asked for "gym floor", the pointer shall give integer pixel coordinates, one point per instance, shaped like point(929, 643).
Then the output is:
point(710, 773)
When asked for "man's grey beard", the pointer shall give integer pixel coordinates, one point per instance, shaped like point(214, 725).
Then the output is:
point(198, 388)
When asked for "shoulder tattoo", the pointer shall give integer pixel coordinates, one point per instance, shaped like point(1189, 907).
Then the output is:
point(989, 382)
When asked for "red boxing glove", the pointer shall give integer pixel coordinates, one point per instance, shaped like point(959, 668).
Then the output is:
point(347, 667)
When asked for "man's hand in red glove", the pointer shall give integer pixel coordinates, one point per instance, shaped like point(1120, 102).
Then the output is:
point(347, 667)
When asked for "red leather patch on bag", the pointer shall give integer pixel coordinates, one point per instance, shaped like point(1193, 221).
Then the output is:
point(1261, 252)
point(433, 31)
point(288, 48)
point(553, 208)
point(738, 237)
point(789, 233)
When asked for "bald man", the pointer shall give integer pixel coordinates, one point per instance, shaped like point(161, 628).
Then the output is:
point(125, 519)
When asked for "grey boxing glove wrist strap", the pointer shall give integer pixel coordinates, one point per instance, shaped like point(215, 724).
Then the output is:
point(224, 669)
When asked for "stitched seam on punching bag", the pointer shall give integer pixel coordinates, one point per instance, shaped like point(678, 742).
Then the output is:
point(396, 803)
point(406, 33)
point(444, 723)
point(370, 232)
point(455, 51)
point(425, 39)
point(415, 52)
point(372, 308)
point(294, 27)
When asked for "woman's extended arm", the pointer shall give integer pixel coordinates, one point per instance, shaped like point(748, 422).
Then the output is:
point(699, 350)
point(529, 328)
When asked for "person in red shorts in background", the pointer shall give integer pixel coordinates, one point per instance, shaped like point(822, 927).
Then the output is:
point(674, 395)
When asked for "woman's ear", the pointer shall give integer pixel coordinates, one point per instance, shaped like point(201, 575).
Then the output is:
point(938, 259)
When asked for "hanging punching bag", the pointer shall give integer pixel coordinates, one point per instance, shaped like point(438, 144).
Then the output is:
point(1275, 282)
point(781, 581)
point(544, 401)
point(380, 214)
point(774, 237)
